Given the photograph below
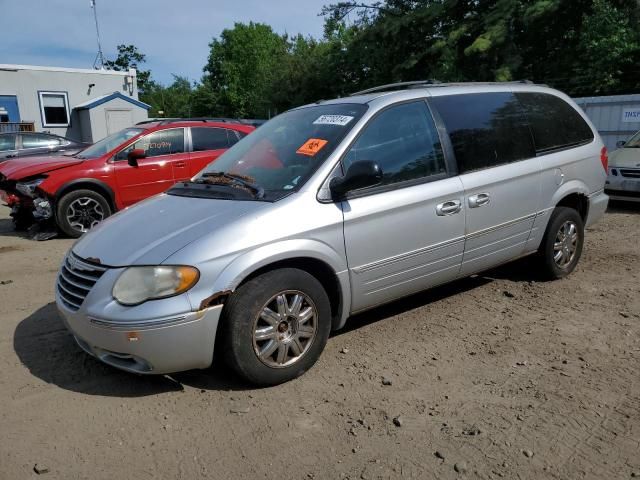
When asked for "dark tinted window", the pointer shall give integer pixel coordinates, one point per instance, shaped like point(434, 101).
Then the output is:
point(403, 140)
point(204, 138)
point(163, 142)
point(486, 129)
point(36, 141)
point(7, 142)
point(54, 108)
point(554, 123)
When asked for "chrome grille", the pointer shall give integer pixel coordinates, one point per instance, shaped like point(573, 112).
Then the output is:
point(76, 279)
point(630, 173)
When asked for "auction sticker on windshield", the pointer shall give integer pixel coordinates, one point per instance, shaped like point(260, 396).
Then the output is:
point(312, 146)
point(341, 120)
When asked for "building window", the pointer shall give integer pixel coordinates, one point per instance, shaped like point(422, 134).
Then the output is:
point(54, 108)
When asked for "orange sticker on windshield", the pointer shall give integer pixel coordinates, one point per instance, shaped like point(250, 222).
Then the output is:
point(311, 147)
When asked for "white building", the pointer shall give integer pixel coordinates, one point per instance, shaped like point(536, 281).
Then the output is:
point(81, 104)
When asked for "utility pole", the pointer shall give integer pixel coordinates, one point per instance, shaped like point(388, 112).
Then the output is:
point(98, 63)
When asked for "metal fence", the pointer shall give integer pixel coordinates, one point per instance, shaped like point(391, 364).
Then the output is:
point(616, 117)
point(11, 127)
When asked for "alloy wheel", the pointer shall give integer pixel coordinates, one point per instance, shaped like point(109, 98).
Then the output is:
point(285, 329)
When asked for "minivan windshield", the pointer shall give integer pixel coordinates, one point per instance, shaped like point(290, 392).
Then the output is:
point(280, 155)
point(108, 143)
point(633, 142)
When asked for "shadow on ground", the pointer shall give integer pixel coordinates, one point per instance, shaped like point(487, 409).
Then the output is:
point(616, 206)
point(48, 350)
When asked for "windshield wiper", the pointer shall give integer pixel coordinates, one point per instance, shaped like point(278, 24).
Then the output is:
point(257, 190)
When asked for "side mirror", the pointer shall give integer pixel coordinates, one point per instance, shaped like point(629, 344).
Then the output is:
point(134, 155)
point(620, 143)
point(359, 175)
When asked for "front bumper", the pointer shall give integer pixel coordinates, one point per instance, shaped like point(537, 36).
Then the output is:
point(163, 345)
point(624, 187)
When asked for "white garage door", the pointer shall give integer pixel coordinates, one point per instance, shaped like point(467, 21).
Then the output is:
point(118, 119)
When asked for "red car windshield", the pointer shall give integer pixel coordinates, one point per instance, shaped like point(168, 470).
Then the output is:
point(108, 143)
point(284, 152)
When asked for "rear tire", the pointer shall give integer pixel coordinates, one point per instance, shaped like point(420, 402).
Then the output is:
point(275, 326)
point(562, 243)
point(80, 210)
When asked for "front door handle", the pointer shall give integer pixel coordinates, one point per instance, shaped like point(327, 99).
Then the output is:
point(479, 200)
point(449, 207)
point(180, 164)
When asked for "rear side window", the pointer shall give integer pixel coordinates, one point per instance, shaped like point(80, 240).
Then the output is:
point(203, 138)
point(39, 141)
point(403, 141)
point(7, 142)
point(554, 123)
point(486, 129)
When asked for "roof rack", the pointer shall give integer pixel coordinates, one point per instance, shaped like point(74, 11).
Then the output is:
point(166, 121)
point(430, 83)
point(399, 85)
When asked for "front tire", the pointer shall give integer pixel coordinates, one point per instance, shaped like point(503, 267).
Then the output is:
point(276, 326)
point(81, 210)
point(562, 243)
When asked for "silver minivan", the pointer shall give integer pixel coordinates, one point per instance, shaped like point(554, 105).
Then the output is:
point(331, 209)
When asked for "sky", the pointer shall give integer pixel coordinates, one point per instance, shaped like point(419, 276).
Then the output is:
point(174, 35)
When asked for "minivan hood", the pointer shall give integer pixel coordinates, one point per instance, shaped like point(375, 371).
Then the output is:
point(154, 229)
point(24, 167)
point(625, 157)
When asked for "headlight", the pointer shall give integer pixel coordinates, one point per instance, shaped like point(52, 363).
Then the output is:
point(139, 284)
point(29, 188)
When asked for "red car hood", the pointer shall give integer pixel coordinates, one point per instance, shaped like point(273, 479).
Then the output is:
point(19, 168)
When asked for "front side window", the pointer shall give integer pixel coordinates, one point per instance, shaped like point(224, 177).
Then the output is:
point(403, 141)
point(7, 142)
point(107, 144)
point(554, 123)
point(38, 141)
point(203, 138)
point(54, 107)
point(163, 142)
point(486, 129)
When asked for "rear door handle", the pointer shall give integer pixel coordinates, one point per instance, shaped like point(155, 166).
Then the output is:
point(479, 200)
point(449, 207)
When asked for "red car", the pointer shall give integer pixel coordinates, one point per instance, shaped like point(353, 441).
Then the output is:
point(81, 190)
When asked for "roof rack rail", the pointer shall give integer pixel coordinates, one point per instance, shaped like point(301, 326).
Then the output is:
point(431, 83)
point(399, 85)
point(165, 121)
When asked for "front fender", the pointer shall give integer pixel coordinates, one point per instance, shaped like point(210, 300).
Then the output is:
point(247, 263)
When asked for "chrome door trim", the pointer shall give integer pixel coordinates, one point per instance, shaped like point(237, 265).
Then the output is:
point(479, 233)
point(399, 258)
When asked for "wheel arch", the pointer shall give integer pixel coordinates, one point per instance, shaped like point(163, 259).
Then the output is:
point(319, 261)
point(575, 195)
point(88, 184)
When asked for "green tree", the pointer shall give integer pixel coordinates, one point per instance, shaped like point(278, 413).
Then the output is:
point(241, 69)
point(175, 100)
point(130, 57)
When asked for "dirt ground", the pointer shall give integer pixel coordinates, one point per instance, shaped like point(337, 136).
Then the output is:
point(496, 376)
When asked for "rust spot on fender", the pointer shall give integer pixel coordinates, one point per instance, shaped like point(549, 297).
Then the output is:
point(217, 298)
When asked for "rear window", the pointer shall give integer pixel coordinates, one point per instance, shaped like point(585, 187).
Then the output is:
point(486, 129)
point(554, 123)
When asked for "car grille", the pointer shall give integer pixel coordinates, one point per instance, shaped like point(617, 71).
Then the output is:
point(630, 173)
point(76, 279)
